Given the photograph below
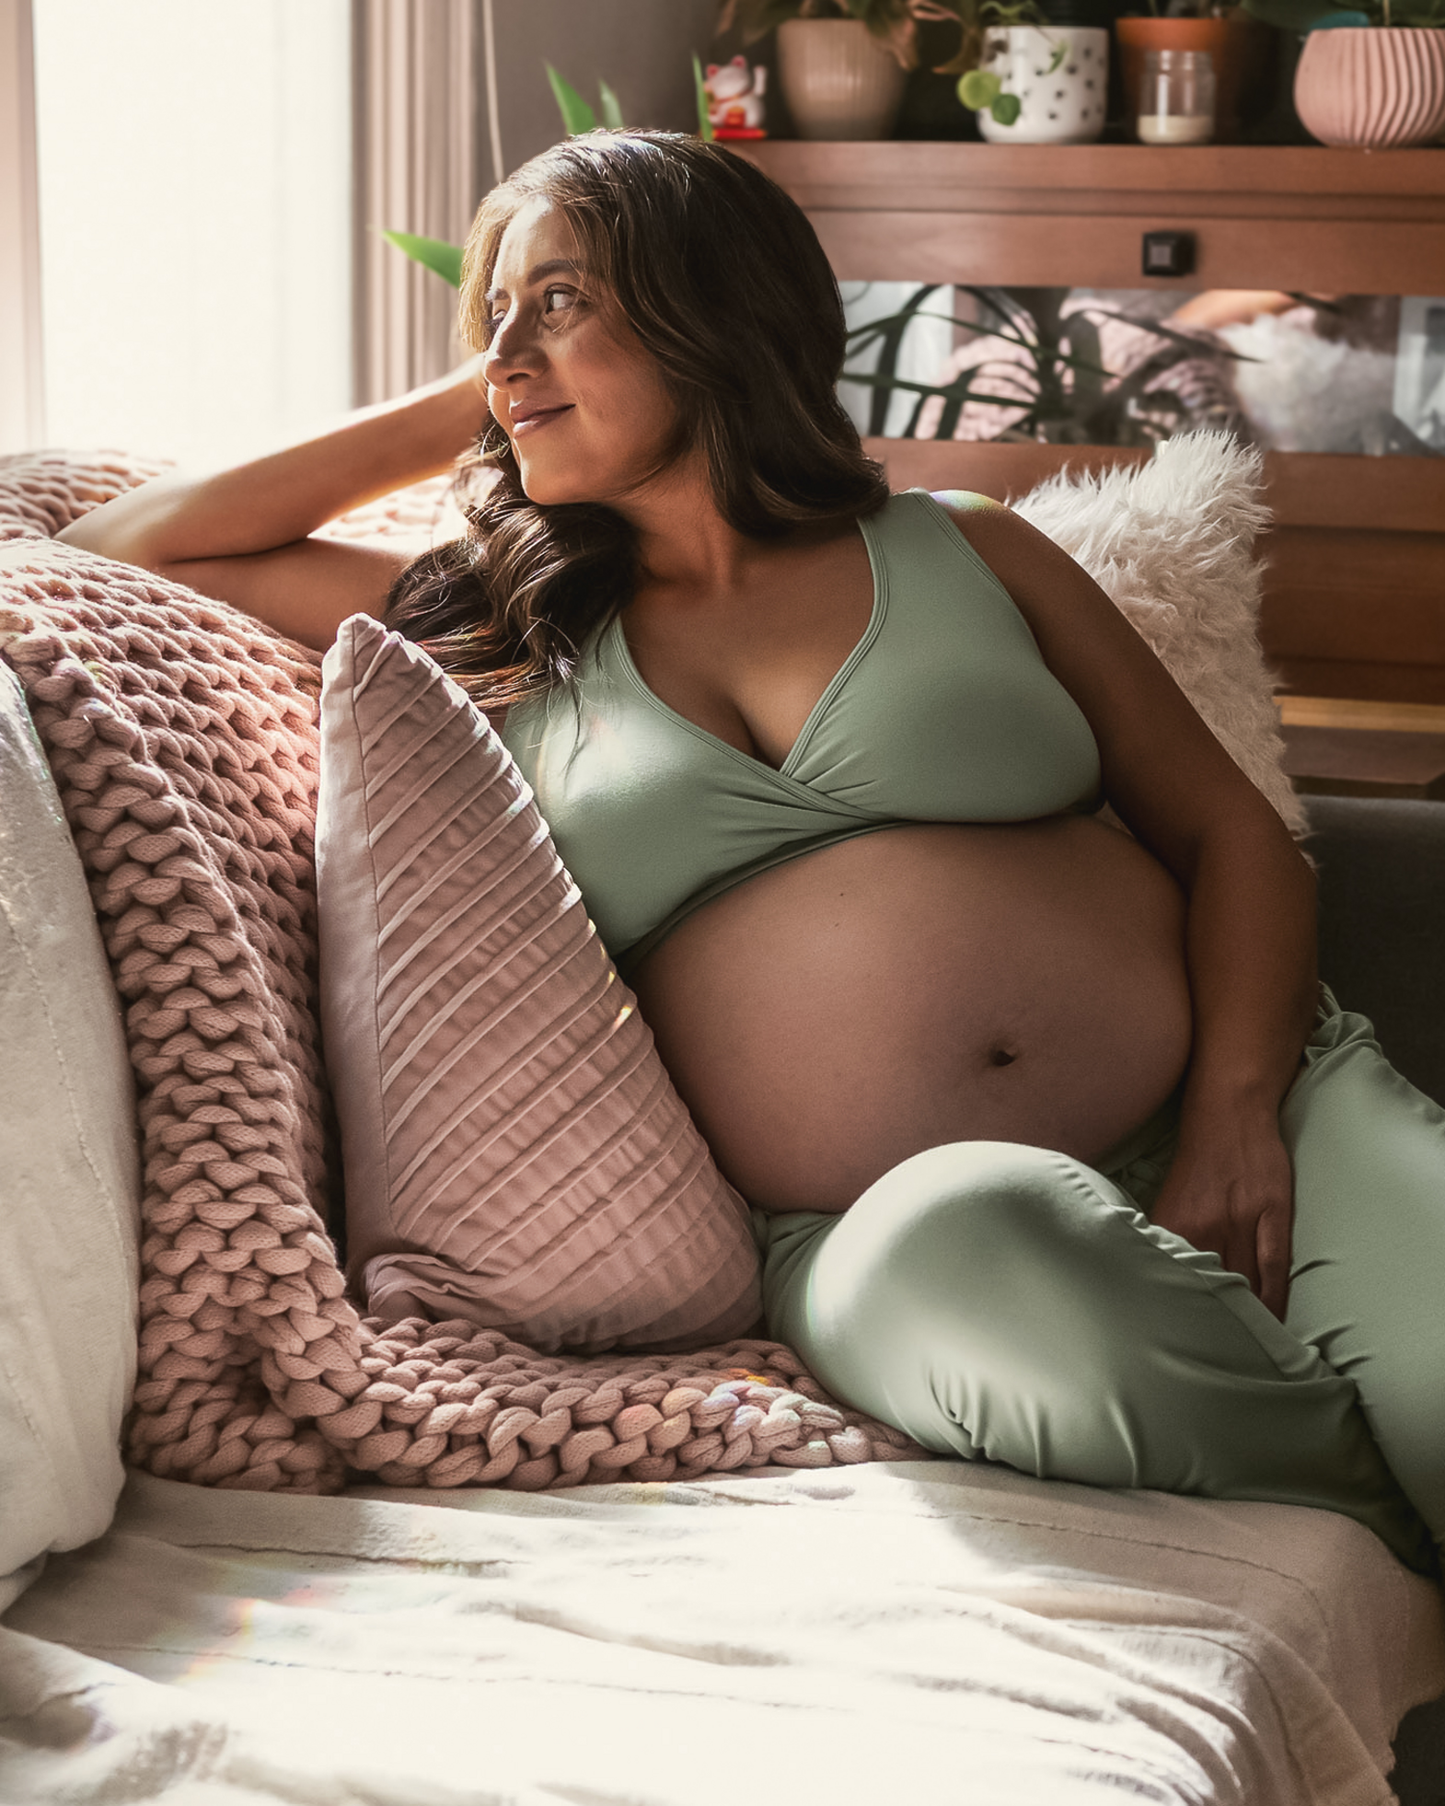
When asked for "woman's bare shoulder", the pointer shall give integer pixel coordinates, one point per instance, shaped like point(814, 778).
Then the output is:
point(963, 504)
point(1004, 540)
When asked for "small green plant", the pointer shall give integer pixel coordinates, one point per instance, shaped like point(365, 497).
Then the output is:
point(980, 89)
point(434, 253)
point(577, 116)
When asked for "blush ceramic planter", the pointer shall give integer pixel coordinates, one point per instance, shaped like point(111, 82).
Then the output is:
point(1377, 88)
point(1062, 105)
point(837, 78)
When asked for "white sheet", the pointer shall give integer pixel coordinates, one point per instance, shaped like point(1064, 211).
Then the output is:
point(917, 1631)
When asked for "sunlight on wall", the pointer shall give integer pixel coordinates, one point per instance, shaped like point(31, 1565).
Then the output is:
point(195, 221)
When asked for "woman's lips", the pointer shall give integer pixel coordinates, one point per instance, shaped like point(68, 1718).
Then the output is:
point(538, 417)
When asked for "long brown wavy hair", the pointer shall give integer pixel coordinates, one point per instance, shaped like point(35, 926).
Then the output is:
point(722, 280)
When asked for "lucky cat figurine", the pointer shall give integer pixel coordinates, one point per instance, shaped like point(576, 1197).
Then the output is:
point(735, 99)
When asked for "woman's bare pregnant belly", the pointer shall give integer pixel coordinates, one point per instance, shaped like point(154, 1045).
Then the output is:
point(921, 985)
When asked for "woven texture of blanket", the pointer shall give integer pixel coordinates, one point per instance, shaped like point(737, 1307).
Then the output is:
point(941, 1632)
point(42, 492)
point(183, 740)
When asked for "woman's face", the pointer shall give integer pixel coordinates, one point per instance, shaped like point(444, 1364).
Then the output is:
point(582, 403)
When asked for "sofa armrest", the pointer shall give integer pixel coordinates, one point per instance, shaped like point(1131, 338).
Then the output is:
point(1382, 922)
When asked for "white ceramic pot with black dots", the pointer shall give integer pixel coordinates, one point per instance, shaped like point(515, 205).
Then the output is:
point(1060, 74)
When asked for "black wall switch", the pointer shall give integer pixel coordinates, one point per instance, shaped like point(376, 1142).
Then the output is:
point(1168, 253)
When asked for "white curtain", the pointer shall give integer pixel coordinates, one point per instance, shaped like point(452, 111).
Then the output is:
point(421, 165)
point(22, 369)
point(194, 183)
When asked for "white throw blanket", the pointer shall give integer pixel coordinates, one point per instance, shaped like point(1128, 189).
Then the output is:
point(910, 1631)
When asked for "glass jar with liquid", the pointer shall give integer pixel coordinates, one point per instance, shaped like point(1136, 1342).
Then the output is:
point(1176, 97)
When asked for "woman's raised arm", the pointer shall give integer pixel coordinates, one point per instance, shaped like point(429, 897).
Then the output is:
point(242, 534)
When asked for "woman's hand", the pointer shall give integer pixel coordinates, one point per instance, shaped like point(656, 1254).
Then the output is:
point(1231, 1191)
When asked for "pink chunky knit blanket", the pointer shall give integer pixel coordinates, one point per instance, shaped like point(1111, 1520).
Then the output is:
point(183, 740)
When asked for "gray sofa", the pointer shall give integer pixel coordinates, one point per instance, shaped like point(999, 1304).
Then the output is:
point(1382, 950)
point(1382, 886)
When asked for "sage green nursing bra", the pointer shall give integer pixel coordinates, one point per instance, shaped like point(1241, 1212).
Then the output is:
point(943, 712)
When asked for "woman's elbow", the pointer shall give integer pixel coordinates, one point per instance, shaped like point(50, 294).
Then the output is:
point(122, 528)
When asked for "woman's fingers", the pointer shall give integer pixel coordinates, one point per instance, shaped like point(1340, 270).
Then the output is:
point(1273, 1238)
point(1245, 1220)
point(1241, 1238)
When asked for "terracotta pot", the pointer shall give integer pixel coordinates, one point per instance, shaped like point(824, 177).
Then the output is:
point(1065, 107)
point(838, 79)
point(1376, 87)
point(1240, 49)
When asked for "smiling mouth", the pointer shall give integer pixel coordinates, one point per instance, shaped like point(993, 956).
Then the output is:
point(531, 422)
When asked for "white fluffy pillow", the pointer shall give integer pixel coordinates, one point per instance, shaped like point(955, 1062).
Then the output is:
point(69, 1179)
point(1172, 543)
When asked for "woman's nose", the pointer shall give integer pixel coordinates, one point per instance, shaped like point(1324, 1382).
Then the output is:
point(514, 351)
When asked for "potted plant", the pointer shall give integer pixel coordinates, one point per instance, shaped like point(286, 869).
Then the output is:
point(1372, 72)
point(1237, 44)
point(1039, 79)
point(842, 63)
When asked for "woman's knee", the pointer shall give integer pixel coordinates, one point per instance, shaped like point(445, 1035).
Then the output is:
point(969, 1217)
point(976, 1254)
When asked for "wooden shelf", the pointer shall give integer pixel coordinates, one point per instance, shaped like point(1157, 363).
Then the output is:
point(923, 174)
point(1330, 761)
point(1266, 216)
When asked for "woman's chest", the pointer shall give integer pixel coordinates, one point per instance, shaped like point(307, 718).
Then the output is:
point(751, 664)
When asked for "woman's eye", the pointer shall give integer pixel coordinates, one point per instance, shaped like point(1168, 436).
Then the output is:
point(555, 302)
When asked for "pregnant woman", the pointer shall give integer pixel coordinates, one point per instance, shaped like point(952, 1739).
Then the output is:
point(1057, 1157)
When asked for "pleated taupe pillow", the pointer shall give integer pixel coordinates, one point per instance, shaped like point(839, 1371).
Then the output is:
point(514, 1153)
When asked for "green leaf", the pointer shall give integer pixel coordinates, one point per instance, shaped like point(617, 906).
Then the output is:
point(1007, 108)
point(704, 124)
point(978, 89)
point(611, 108)
point(435, 253)
point(577, 116)
point(1061, 50)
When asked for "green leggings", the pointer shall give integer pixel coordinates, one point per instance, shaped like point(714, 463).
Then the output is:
point(1009, 1303)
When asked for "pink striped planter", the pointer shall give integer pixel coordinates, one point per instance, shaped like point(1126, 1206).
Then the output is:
point(1376, 87)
